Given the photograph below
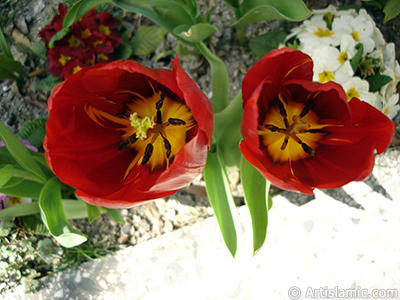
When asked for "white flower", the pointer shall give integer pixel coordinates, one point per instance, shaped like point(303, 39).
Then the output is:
point(360, 28)
point(316, 33)
point(377, 36)
point(324, 63)
point(347, 52)
point(391, 107)
point(358, 88)
point(333, 11)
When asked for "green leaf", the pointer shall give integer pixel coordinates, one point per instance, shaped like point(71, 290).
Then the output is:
point(146, 40)
point(54, 217)
point(256, 188)
point(115, 214)
point(80, 9)
point(40, 50)
point(10, 69)
point(232, 3)
point(25, 209)
point(49, 83)
point(34, 132)
point(124, 51)
point(13, 182)
point(20, 153)
point(355, 61)
point(264, 43)
point(58, 36)
point(196, 33)
point(4, 46)
point(93, 212)
point(376, 82)
point(6, 173)
point(75, 209)
point(221, 199)
point(391, 10)
point(254, 11)
point(34, 224)
point(167, 14)
point(23, 189)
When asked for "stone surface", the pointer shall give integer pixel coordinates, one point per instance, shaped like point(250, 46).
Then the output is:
point(324, 246)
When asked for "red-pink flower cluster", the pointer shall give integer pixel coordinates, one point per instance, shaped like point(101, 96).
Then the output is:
point(92, 39)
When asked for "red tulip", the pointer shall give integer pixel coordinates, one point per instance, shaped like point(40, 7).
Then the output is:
point(303, 135)
point(121, 133)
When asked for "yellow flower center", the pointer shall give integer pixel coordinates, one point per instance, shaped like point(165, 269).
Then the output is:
point(155, 128)
point(343, 57)
point(323, 33)
point(326, 76)
point(86, 32)
point(96, 43)
point(104, 29)
point(352, 93)
point(290, 132)
point(73, 41)
point(356, 36)
point(76, 69)
point(64, 59)
point(102, 56)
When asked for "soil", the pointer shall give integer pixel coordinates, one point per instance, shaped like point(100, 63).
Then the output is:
point(23, 102)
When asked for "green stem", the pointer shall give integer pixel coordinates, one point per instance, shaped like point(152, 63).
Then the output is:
point(219, 78)
point(238, 16)
point(227, 131)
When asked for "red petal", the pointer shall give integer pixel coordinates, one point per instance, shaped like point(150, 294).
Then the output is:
point(280, 65)
point(335, 166)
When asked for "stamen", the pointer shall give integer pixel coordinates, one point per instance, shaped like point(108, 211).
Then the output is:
point(174, 121)
point(307, 149)
point(147, 153)
point(167, 146)
point(122, 115)
point(316, 131)
point(127, 142)
point(285, 143)
point(306, 109)
point(286, 122)
point(274, 128)
point(282, 109)
point(159, 119)
point(160, 102)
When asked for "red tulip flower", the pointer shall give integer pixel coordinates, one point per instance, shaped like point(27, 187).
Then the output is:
point(303, 135)
point(121, 133)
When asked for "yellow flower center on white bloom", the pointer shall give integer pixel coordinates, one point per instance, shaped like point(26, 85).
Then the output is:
point(351, 93)
point(356, 36)
point(323, 33)
point(326, 76)
point(343, 57)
